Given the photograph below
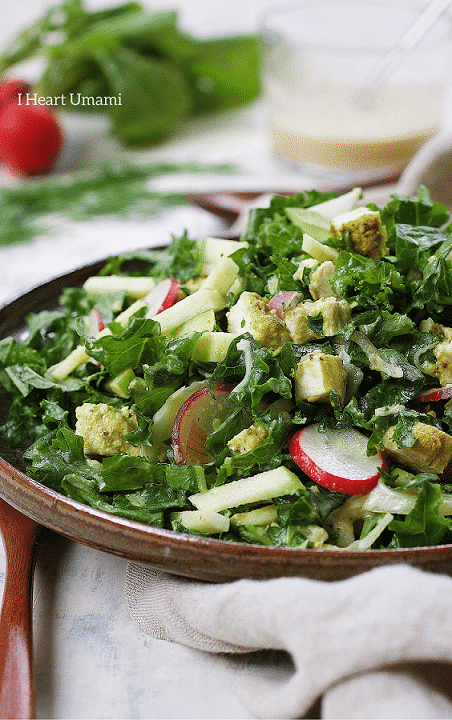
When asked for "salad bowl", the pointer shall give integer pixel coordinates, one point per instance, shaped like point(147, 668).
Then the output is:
point(189, 555)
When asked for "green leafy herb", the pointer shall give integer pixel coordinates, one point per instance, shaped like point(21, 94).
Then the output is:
point(423, 525)
point(137, 66)
point(117, 187)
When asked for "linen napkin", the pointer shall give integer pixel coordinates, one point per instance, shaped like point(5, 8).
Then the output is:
point(377, 645)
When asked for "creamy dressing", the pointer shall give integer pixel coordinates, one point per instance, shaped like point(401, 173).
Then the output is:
point(333, 129)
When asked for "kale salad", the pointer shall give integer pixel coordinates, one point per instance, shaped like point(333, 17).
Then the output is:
point(290, 388)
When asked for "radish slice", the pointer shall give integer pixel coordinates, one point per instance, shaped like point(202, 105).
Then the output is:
point(336, 459)
point(162, 296)
point(435, 394)
point(284, 300)
point(96, 324)
point(196, 419)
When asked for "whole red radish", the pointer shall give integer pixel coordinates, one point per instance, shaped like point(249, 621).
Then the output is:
point(337, 459)
point(10, 90)
point(30, 139)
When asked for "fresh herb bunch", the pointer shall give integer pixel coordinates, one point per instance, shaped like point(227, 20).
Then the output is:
point(388, 299)
point(117, 187)
point(163, 74)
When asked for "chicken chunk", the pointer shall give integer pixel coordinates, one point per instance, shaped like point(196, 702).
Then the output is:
point(335, 313)
point(252, 314)
point(317, 373)
point(247, 439)
point(443, 354)
point(319, 286)
point(305, 269)
point(367, 234)
point(434, 328)
point(104, 429)
point(432, 452)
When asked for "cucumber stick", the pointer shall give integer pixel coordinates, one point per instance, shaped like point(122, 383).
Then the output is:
point(260, 516)
point(136, 287)
point(311, 222)
point(222, 277)
point(257, 488)
point(318, 250)
point(204, 521)
point(336, 206)
point(188, 308)
point(212, 346)
point(61, 370)
point(204, 322)
point(213, 249)
point(163, 420)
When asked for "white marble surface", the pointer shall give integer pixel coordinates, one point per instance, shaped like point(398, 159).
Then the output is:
point(91, 661)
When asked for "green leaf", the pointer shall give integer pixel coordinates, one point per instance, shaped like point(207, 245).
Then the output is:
point(413, 245)
point(312, 507)
point(418, 209)
point(218, 76)
point(266, 455)
point(124, 472)
point(133, 506)
point(434, 294)
point(263, 374)
point(381, 326)
point(27, 42)
point(423, 525)
point(14, 353)
point(365, 282)
point(55, 455)
point(25, 379)
point(139, 342)
point(154, 95)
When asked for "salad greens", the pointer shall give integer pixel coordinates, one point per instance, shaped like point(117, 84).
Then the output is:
point(161, 74)
point(395, 348)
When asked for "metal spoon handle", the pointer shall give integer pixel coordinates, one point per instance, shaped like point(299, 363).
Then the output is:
point(407, 42)
point(17, 693)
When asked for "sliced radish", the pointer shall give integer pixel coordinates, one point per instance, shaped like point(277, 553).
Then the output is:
point(162, 296)
point(336, 459)
point(196, 419)
point(435, 394)
point(96, 324)
point(284, 300)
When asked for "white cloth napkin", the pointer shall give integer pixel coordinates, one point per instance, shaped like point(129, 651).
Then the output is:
point(378, 645)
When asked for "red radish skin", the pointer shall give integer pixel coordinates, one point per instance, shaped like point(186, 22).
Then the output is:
point(435, 394)
point(162, 296)
point(194, 422)
point(30, 139)
point(95, 321)
point(337, 459)
point(10, 91)
point(284, 300)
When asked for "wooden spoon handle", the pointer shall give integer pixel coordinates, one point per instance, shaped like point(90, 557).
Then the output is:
point(17, 693)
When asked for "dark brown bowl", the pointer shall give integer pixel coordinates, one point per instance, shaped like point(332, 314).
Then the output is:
point(183, 554)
